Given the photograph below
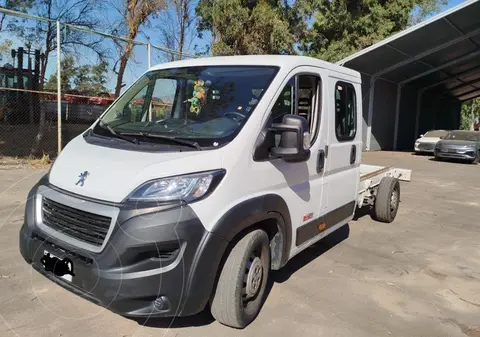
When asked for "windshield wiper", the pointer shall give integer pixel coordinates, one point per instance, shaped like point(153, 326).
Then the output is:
point(172, 139)
point(115, 134)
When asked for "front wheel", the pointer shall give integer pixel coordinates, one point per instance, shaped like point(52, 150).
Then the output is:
point(477, 158)
point(239, 294)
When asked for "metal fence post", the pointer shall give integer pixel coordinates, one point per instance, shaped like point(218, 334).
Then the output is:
point(59, 89)
point(149, 57)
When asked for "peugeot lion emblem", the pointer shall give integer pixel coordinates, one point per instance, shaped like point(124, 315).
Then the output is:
point(82, 177)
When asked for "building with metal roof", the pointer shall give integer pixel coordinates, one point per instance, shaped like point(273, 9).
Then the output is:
point(416, 80)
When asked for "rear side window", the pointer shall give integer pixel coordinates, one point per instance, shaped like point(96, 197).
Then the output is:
point(345, 111)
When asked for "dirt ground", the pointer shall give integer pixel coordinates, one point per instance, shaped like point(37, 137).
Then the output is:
point(419, 276)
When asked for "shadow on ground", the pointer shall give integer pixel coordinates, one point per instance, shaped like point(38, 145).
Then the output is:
point(451, 161)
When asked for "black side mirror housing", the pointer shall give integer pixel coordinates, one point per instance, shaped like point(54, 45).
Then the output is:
point(293, 130)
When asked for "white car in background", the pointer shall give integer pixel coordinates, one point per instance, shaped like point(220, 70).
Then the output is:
point(426, 142)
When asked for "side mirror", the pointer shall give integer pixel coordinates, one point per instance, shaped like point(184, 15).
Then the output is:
point(294, 139)
point(421, 136)
point(441, 137)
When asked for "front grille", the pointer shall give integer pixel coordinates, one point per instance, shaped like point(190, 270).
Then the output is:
point(425, 146)
point(447, 150)
point(84, 226)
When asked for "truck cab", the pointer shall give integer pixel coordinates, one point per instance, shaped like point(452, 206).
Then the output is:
point(200, 179)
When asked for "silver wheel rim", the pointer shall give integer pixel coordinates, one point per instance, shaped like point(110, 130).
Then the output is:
point(254, 278)
point(393, 201)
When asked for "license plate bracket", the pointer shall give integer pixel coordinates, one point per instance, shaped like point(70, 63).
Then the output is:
point(61, 267)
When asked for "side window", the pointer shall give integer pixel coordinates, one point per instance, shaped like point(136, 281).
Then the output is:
point(307, 88)
point(285, 102)
point(162, 98)
point(345, 111)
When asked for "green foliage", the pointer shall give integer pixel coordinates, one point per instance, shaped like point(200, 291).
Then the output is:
point(342, 27)
point(85, 78)
point(246, 27)
point(470, 111)
point(328, 29)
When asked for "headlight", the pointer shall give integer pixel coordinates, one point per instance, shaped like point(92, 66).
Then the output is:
point(187, 187)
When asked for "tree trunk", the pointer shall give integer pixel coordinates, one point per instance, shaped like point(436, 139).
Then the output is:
point(121, 70)
point(183, 22)
point(2, 18)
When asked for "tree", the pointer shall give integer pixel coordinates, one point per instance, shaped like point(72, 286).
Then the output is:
point(247, 26)
point(342, 27)
point(177, 27)
point(135, 14)
point(80, 13)
point(68, 72)
point(16, 5)
point(90, 79)
point(470, 111)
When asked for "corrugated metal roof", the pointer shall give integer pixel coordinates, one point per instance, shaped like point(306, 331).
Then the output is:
point(441, 54)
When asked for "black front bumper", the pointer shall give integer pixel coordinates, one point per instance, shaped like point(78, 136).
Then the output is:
point(460, 154)
point(159, 265)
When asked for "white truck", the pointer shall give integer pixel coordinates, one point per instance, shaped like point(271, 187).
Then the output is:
point(200, 179)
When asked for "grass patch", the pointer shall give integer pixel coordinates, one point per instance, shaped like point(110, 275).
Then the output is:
point(9, 163)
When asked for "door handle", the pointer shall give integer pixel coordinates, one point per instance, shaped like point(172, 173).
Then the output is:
point(320, 161)
point(353, 154)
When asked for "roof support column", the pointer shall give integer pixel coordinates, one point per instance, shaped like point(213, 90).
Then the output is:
point(371, 98)
point(397, 115)
point(417, 113)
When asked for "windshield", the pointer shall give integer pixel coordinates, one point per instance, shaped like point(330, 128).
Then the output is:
point(207, 105)
point(435, 133)
point(473, 136)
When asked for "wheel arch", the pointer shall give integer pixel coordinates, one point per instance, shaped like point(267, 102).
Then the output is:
point(268, 212)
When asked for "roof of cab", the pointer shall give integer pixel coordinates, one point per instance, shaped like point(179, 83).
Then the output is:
point(288, 61)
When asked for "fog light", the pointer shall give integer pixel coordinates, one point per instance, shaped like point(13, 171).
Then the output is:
point(161, 303)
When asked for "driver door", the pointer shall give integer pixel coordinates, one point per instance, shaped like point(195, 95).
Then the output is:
point(302, 183)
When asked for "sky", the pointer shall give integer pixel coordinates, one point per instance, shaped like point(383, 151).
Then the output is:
point(140, 63)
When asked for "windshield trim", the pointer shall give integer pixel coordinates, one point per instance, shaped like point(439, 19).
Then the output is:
point(204, 142)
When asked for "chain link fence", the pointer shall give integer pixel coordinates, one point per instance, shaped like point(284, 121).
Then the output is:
point(40, 114)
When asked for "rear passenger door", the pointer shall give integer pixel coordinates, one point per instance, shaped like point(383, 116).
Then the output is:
point(343, 150)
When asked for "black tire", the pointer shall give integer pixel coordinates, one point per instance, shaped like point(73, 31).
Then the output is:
point(477, 159)
point(387, 200)
point(232, 303)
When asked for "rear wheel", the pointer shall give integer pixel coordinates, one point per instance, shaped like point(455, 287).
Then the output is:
point(240, 290)
point(387, 200)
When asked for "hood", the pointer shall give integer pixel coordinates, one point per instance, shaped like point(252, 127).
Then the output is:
point(457, 143)
point(428, 140)
point(112, 174)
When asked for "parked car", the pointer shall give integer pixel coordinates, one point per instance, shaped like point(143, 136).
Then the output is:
point(156, 219)
point(426, 142)
point(464, 145)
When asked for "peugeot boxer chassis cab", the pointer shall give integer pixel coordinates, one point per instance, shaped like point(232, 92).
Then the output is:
point(199, 180)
